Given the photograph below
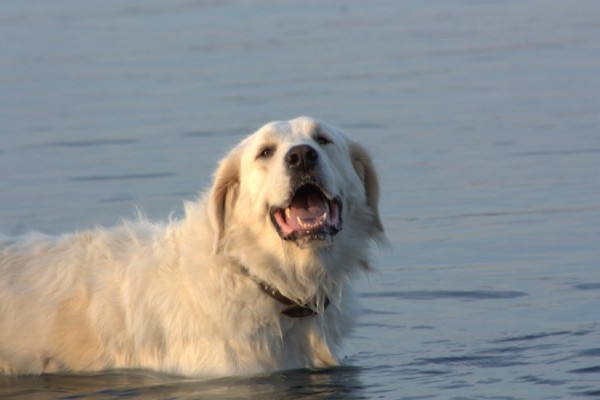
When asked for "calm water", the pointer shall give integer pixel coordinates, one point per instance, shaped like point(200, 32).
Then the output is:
point(483, 115)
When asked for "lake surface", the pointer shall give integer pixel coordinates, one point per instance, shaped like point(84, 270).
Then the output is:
point(483, 117)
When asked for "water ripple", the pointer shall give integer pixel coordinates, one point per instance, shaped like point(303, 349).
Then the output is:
point(590, 353)
point(94, 178)
point(364, 125)
point(449, 294)
point(511, 213)
point(533, 336)
point(565, 152)
point(90, 142)
point(483, 361)
point(541, 381)
point(590, 393)
point(230, 132)
point(588, 286)
point(587, 370)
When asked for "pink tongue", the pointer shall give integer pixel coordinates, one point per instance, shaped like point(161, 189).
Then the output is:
point(309, 207)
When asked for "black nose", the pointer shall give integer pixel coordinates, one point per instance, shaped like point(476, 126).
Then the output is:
point(302, 157)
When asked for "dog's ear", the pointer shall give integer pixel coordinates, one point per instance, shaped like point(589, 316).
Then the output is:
point(363, 165)
point(223, 194)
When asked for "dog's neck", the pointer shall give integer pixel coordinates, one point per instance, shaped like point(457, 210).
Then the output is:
point(293, 310)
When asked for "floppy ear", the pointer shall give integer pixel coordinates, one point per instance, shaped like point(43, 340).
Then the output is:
point(363, 164)
point(223, 193)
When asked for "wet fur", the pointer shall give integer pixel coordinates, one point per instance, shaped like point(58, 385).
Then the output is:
point(177, 297)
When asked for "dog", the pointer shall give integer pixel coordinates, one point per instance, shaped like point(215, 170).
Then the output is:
point(256, 276)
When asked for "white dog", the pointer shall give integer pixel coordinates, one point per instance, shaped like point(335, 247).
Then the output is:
point(255, 278)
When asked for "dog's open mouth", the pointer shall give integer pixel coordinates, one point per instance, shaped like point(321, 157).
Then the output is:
point(310, 216)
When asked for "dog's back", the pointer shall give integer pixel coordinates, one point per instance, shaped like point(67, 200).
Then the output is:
point(59, 294)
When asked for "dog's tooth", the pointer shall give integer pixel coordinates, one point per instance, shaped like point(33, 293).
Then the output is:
point(324, 217)
point(301, 223)
point(308, 226)
point(288, 213)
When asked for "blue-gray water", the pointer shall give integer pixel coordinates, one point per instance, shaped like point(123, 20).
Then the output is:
point(483, 117)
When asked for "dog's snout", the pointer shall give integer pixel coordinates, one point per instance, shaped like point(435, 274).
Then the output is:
point(302, 157)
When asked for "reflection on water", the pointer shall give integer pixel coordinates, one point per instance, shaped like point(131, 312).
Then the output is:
point(483, 117)
point(338, 383)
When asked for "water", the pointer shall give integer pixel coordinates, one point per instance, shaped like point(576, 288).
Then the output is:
point(483, 115)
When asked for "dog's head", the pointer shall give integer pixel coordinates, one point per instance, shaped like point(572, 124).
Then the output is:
point(298, 179)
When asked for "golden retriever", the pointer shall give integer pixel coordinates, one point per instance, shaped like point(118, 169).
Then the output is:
point(255, 278)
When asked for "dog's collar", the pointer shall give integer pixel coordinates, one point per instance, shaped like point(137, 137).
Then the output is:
point(294, 310)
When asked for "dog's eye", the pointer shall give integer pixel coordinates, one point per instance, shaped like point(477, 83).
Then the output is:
point(322, 140)
point(266, 152)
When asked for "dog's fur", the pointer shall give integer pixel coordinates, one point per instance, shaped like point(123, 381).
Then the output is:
point(190, 297)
